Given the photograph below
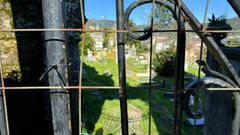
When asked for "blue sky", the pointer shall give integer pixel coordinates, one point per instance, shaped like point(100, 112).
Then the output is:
point(99, 9)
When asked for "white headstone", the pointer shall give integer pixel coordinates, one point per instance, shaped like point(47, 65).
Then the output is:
point(90, 55)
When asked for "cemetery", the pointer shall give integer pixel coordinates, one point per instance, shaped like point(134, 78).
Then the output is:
point(137, 67)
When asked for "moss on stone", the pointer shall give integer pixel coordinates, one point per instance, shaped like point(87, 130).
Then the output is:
point(2, 1)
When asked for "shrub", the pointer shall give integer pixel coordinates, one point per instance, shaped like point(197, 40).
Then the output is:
point(165, 62)
point(88, 43)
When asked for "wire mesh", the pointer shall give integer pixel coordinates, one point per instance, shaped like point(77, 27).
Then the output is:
point(83, 30)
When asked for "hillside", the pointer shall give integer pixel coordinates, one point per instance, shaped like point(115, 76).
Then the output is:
point(234, 22)
point(97, 24)
point(93, 23)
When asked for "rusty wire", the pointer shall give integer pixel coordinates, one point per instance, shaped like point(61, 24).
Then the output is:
point(224, 89)
point(59, 87)
point(81, 67)
point(196, 102)
point(4, 96)
point(7, 88)
point(80, 87)
point(113, 30)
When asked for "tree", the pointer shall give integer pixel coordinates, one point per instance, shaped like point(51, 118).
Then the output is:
point(132, 42)
point(88, 43)
point(128, 40)
point(219, 23)
point(165, 62)
point(106, 37)
point(163, 17)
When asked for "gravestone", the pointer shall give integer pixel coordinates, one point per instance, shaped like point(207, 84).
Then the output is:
point(89, 55)
point(104, 61)
point(133, 52)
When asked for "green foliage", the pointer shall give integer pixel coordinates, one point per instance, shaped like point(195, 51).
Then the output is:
point(88, 43)
point(163, 17)
point(130, 41)
point(165, 62)
point(142, 48)
point(105, 110)
point(233, 42)
point(4, 0)
point(106, 38)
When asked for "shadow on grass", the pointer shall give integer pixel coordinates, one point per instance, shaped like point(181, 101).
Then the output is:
point(94, 100)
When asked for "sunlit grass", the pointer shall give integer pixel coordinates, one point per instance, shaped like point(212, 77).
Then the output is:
point(103, 107)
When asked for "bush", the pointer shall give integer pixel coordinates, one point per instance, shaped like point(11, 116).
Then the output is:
point(165, 62)
point(88, 43)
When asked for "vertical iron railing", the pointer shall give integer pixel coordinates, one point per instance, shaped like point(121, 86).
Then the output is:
point(56, 38)
point(56, 55)
point(122, 66)
point(179, 74)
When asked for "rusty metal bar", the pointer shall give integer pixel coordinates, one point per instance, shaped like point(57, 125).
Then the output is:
point(205, 16)
point(107, 88)
point(199, 71)
point(113, 30)
point(4, 125)
point(179, 75)
point(58, 87)
point(81, 67)
point(85, 88)
point(122, 66)
point(224, 89)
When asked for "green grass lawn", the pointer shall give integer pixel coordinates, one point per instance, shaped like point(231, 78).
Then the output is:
point(135, 66)
point(101, 108)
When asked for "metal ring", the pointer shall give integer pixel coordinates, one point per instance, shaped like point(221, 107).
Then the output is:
point(186, 107)
point(202, 82)
point(148, 30)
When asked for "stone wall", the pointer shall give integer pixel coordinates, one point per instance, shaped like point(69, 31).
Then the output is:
point(8, 43)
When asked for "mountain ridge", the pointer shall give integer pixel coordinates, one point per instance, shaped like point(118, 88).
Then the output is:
point(105, 23)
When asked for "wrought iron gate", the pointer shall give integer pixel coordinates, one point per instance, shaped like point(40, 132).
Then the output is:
point(182, 15)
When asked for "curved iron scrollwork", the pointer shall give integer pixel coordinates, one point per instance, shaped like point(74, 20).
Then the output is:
point(205, 82)
point(230, 80)
point(207, 70)
point(217, 80)
point(147, 30)
point(194, 23)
